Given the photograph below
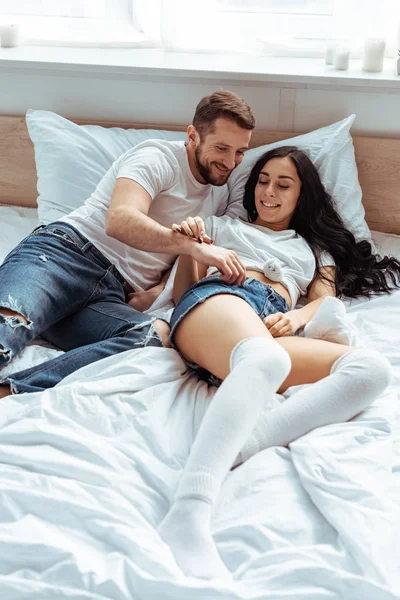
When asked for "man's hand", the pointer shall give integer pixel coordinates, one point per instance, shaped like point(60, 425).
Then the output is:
point(142, 300)
point(279, 324)
point(226, 261)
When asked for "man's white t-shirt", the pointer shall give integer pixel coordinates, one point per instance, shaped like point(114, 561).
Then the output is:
point(282, 256)
point(162, 168)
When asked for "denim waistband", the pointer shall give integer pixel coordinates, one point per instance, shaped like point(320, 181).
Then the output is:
point(74, 234)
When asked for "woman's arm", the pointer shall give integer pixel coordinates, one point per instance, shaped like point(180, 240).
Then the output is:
point(188, 272)
point(318, 290)
point(288, 323)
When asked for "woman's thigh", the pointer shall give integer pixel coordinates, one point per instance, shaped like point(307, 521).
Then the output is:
point(312, 360)
point(209, 332)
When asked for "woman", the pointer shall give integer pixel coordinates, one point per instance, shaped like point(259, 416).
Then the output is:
point(242, 334)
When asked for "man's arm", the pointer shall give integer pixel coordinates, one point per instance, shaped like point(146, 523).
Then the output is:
point(129, 223)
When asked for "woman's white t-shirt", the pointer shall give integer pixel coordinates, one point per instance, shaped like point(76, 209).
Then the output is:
point(282, 256)
point(162, 169)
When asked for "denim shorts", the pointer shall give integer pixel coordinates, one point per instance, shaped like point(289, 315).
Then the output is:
point(262, 297)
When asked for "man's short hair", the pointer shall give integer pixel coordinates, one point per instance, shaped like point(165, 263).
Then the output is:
point(225, 105)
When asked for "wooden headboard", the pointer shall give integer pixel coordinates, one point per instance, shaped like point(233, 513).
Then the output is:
point(378, 162)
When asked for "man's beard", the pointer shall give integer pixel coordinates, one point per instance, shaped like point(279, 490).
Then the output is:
point(206, 171)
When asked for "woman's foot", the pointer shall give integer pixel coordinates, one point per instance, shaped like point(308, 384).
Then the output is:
point(329, 323)
point(186, 530)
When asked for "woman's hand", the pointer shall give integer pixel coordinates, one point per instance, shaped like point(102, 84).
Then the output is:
point(193, 227)
point(279, 324)
point(226, 261)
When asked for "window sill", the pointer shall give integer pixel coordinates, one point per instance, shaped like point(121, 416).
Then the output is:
point(157, 64)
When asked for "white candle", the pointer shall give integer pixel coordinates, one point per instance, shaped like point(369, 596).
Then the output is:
point(330, 54)
point(342, 57)
point(9, 35)
point(374, 52)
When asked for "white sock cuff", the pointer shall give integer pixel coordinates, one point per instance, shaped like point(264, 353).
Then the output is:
point(368, 363)
point(198, 484)
point(254, 347)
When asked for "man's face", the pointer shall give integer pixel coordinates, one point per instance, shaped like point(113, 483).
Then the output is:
point(218, 153)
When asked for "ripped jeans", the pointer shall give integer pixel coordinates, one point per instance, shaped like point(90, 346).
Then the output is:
point(71, 296)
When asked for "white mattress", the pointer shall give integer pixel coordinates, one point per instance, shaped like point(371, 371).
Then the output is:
point(87, 470)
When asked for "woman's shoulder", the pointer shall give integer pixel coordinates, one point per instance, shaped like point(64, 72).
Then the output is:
point(224, 220)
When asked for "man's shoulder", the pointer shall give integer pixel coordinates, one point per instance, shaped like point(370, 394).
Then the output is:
point(155, 148)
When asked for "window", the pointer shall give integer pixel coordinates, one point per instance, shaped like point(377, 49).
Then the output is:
point(277, 27)
point(302, 27)
point(73, 22)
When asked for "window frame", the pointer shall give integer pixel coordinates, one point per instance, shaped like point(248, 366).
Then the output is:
point(115, 21)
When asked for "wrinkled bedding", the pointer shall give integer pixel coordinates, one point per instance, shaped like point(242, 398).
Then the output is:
point(87, 471)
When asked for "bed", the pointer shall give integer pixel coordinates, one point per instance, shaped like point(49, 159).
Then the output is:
point(87, 469)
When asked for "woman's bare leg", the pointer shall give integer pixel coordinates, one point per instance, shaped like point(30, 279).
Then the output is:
point(210, 331)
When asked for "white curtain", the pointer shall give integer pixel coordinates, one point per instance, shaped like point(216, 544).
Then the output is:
point(277, 27)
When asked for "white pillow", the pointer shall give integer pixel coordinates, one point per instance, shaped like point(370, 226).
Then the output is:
point(387, 243)
point(71, 159)
point(331, 150)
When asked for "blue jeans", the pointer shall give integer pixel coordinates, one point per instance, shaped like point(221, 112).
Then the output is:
point(71, 296)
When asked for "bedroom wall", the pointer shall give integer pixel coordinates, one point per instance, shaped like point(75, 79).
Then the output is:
point(296, 107)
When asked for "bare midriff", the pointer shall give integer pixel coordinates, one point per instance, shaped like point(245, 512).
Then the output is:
point(278, 287)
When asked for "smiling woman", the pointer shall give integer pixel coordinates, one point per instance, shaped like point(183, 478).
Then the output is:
point(276, 193)
point(241, 337)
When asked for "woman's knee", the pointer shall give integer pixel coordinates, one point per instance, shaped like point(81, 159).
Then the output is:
point(369, 370)
point(261, 353)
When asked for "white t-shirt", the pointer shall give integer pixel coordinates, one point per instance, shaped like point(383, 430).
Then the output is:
point(162, 168)
point(282, 256)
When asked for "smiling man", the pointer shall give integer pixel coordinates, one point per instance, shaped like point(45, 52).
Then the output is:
point(121, 240)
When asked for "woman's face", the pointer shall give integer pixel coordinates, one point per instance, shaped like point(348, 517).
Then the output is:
point(276, 193)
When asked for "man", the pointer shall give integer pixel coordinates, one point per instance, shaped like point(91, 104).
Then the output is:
point(68, 281)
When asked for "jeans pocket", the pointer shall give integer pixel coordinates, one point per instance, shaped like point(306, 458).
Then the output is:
point(59, 233)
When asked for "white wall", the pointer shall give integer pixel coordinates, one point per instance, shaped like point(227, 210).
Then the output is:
point(172, 100)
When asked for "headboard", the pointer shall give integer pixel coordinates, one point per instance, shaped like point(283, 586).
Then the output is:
point(378, 162)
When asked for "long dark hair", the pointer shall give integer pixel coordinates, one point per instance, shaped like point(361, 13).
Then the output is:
point(358, 272)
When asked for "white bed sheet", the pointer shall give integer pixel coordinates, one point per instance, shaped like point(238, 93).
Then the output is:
point(87, 470)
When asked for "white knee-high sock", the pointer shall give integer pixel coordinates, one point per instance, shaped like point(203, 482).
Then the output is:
point(357, 378)
point(258, 368)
